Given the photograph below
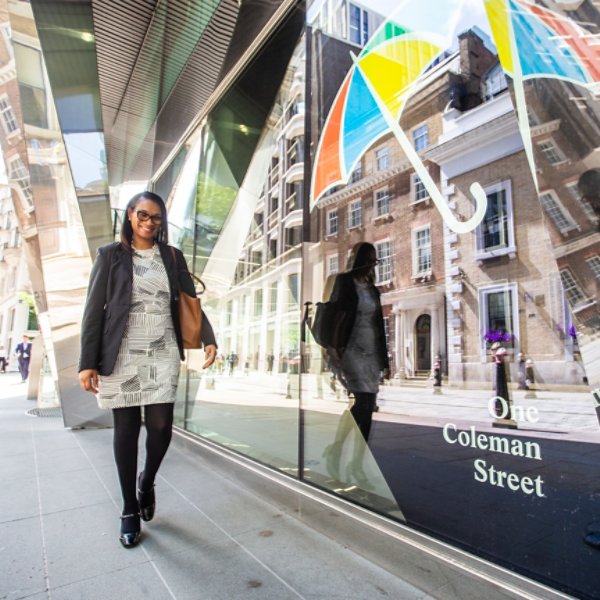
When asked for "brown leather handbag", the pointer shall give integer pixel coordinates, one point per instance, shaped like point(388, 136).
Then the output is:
point(190, 314)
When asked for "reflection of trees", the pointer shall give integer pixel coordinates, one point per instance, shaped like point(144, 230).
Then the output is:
point(213, 199)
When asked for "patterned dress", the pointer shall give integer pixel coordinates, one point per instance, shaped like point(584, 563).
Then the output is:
point(147, 367)
point(361, 366)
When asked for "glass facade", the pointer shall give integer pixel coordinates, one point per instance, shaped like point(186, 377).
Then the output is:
point(460, 139)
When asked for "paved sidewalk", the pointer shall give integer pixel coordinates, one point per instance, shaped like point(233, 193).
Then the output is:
point(211, 538)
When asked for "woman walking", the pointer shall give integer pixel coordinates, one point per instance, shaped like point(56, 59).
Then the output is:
point(360, 356)
point(131, 347)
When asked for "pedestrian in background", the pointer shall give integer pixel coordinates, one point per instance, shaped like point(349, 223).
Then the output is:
point(2, 359)
point(359, 356)
point(131, 346)
point(23, 352)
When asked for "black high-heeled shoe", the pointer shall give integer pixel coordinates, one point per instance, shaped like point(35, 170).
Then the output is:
point(146, 500)
point(131, 530)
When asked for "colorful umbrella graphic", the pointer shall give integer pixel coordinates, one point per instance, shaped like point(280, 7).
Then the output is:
point(369, 105)
point(534, 42)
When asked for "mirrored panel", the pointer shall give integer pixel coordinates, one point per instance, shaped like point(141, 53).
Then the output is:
point(450, 338)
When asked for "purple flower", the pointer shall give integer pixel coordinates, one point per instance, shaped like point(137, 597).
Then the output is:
point(572, 331)
point(497, 335)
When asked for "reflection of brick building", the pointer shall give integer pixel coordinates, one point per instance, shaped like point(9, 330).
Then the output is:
point(441, 291)
point(565, 127)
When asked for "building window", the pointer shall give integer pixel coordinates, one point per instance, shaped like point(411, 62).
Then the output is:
point(383, 270)
point(294, 290)
point(356, 174)
point(557, 212)
point(295, 151)
point(495, 82)
point(382, 158)
point(498, 311)
point(587, 208)
point(495, 234)
point(572, 289)
point(418, 190)
point(273, 297)
point(358, 25)
point(19, 174)
point(333, 264)
point(332, 222)
point(355, 214)
point(551, 152)
point(31, 85)
point(422, 251)
point(8, 116)
point(382, 203)
point(258, 302)
point(229, 313)
point(594, 264)
point(421, 137)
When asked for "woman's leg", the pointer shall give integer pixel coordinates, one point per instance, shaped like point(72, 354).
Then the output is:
point(159, 426)
point(125, 445)
point(362, 411)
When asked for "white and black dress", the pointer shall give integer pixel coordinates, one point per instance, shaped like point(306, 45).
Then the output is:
point(147, 367)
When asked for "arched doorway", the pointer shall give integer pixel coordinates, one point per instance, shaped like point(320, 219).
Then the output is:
point(423, 345)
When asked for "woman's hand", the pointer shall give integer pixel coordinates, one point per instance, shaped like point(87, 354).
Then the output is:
point(88, 380)
point(210, 353)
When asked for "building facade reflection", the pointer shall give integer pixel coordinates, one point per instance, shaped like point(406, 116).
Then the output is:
point(228, 131)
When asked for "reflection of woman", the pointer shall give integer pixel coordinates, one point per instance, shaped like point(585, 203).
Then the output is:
point(360, 353)
point(131, 347)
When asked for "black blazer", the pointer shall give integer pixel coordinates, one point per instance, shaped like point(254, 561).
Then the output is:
point(344, 294)
point(108, 299)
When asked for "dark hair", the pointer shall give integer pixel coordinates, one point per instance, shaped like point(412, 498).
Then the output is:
point(360, 260)
point(589, 187)
point(126, 230)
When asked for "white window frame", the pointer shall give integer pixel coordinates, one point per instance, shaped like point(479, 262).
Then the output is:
point(356, 174)
point(382, 158)
point(483, 293)
point(8, 116)
point(417, 272)
point(509, 247)
point(556, 211)
point(551, 151)
point(331, 219)
point(18, 173)
point(354, 208)
point(416, 186)
point(363, 36)
point(420, 136)
point(570, 286)
point(384, 268)
point(593, 262)
point(494, 82)
point(332, 264)
point(378, 196)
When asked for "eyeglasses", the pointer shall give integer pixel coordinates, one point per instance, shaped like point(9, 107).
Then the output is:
point(142, 215)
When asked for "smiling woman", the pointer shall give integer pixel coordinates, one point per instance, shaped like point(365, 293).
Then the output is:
point(131, 347)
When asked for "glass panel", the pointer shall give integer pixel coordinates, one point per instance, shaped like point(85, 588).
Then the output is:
point(247, 248)
point(484, 299)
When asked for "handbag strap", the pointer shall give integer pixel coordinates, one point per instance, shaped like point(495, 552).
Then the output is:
point(186, 270)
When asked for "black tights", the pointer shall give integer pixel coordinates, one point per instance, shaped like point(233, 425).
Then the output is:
point(159, 424)
point(362, 411)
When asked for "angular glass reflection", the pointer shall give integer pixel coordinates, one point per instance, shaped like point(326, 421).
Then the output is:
point(50, 219)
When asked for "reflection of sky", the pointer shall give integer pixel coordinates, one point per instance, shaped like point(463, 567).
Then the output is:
point(86, 157)
point(445, 17)
point(182, 206)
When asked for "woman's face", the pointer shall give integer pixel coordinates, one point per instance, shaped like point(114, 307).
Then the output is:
point(145, 220)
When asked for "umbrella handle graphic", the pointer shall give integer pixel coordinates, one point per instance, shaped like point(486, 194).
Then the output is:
point(415, 160)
